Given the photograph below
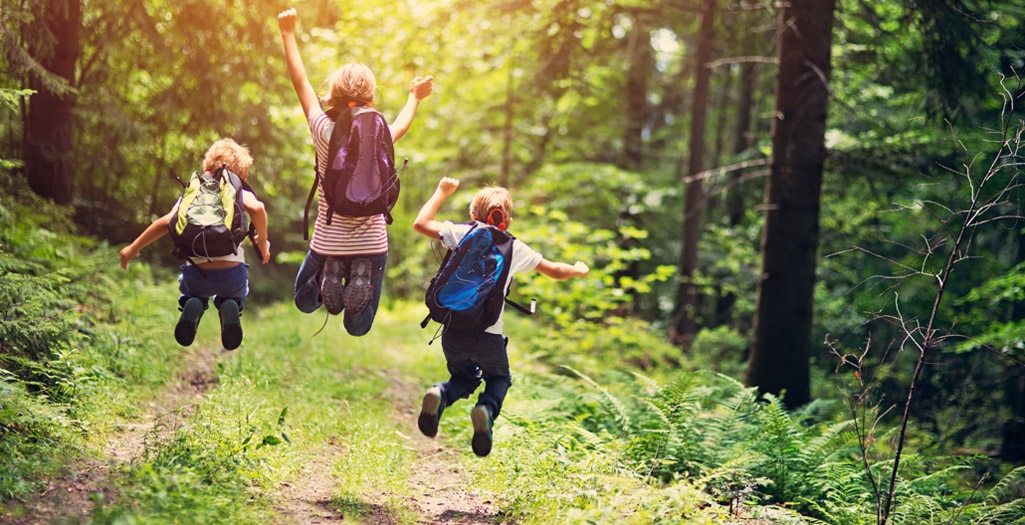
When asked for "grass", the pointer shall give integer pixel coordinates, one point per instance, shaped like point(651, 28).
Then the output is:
point(288, 399)
point(582, 438)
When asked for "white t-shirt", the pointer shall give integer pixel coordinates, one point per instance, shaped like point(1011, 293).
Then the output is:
point(524, 258)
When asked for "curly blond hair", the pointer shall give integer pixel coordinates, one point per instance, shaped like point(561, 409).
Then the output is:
point(227, 152)
point(353, 83)
point(488, 199)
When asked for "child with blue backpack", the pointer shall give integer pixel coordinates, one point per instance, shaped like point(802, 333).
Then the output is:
point(224, 275)
point(478, 354)
point(344, 267)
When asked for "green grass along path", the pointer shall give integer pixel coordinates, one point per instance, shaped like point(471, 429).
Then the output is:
point(293, 428)
point(353, 452)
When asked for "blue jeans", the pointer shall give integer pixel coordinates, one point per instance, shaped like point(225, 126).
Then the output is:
point(221, 283)
point(472, 357)
point(307, 288)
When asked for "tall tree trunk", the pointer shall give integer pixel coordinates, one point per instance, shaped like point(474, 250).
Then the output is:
point(685, 323)
point(637, 77)
point(48, 122)
point(742, 139)
point(507, 128)
point(781, 345)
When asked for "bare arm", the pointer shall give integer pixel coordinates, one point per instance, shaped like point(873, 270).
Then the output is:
point(296, 70)
point(421, 88)
point(258, 214)
point(561, 270)
point(154, 231)
point(425, 223)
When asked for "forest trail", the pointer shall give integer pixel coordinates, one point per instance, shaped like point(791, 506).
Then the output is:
point(436, 483)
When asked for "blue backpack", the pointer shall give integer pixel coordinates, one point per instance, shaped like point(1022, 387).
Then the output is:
point(467, 293)
point(360, 179)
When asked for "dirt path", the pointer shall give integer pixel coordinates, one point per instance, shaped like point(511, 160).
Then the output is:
point(437, 485)
point(71, 496)
point(439, 479)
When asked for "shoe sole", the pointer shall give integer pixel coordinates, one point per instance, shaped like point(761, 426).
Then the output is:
point(428, 420)
point(481, 443)
point(185, 330)
point(358, 289)
point(332, 290)
point(231, 325)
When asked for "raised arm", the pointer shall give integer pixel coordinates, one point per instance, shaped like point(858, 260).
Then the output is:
point(296, 70)
point(421, 88)
point(561, 270)
point(425, 223)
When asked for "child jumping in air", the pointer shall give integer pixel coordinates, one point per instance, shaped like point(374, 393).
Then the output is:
point(225, 278)
point(345, 264)
point(472, 356)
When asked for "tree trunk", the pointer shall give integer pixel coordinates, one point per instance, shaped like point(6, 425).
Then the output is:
point(781, 344)
point(685, 323)
point(742, 139)
point(637, 76)
point(48, 123)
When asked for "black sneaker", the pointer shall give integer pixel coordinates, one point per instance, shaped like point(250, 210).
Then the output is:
point(231, 325)
point(430, 412)
point(185, 330)
point(358, 288)
point(482, 422)
point(331, 288)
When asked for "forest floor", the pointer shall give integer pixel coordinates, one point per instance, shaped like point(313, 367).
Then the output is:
point(436, 486)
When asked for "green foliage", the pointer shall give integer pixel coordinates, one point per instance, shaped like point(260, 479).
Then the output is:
point(35, 437)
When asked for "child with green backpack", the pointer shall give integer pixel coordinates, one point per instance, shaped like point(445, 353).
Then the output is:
point(472, 353)
point(208, 225)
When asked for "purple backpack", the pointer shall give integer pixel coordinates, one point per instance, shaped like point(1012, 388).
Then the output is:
point(360, 179)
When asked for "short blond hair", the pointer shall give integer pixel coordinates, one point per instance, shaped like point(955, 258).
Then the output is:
point(227, 152)
point(352, 83)
point(488, 199)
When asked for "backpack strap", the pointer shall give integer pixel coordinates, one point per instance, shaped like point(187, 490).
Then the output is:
point(342, 118)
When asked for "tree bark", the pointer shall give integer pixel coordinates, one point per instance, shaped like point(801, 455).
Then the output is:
point(49, 133)
point(637, 79)
point(685, 324)
point(781, 343)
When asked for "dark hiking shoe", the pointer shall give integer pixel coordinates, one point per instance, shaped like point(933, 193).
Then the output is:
point(331, 288)
point(430, 412)
point(231, 325)
point(185, 330)
point(482, 422)
point(358, 289)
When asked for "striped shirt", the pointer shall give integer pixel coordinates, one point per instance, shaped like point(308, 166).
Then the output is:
point(345, 235)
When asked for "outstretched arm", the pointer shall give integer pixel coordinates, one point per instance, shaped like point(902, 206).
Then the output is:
point(425, 223)
point(561, 270)
point(154, 231)
point(421, 88)
point(296, 69)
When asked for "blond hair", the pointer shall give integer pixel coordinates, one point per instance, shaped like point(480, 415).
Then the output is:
point(488, 199)
point(227, 152)
point(351, 83)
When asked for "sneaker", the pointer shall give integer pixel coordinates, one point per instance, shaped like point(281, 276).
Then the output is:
point(331, 288)
point(482, 422)
point(430, 412)
point(231, 325)
point(185, 330)
point(358, 289)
